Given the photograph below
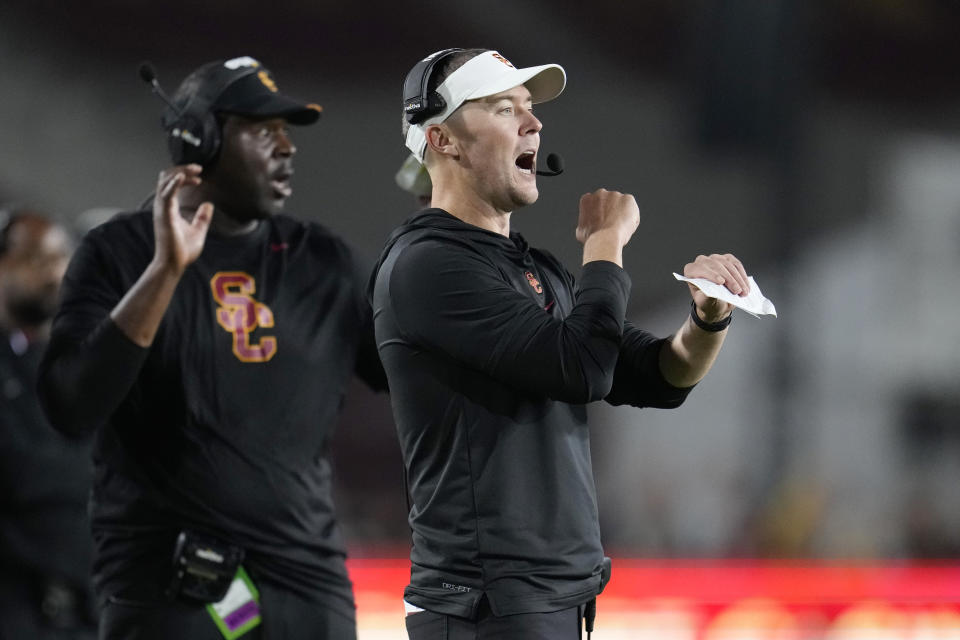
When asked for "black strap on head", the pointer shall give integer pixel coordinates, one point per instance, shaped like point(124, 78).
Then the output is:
point(418, 102)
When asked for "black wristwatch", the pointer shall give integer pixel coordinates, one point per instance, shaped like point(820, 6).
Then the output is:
point(709, 326)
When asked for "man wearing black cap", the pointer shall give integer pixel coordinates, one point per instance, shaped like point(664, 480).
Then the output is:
point(208, 343)
point(493, 349)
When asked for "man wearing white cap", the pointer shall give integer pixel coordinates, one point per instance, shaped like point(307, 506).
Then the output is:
point(492, 349)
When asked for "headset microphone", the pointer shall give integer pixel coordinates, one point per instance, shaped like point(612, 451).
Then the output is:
point(193, 132)
point(555, 164)
point(149, 75)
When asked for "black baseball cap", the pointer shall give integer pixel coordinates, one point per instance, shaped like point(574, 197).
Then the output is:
point(251, 91)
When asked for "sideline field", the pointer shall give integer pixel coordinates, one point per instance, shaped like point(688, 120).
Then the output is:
point(728, 600)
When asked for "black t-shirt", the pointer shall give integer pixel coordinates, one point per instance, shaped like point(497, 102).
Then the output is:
point(221, 425)
point(492, 350)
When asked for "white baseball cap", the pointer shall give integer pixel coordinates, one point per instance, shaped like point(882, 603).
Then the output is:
point(484, 75)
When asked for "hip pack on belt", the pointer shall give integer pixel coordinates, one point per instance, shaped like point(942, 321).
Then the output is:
point(204, 567)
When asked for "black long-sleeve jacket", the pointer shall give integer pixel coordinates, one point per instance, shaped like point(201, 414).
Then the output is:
point(492, 351)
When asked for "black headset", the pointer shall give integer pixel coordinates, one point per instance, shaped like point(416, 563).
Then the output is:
point(418, 102)
point(193, 132)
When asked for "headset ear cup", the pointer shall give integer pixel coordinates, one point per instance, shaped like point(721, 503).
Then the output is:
point(179, 131)
point(209, 140)
point(419, 103)
point(175, 145)
point(435, 103)
point(193, 140)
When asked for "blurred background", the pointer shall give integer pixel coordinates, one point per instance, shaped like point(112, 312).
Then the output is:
point(819, 141)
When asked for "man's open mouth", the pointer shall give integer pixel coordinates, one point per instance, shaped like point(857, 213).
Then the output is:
point(281, 184)
point(526, 162)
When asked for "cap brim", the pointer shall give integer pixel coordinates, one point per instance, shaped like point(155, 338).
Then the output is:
point(276, 105)
point(544, 82)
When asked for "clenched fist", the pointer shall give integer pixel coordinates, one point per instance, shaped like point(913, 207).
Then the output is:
point(607, 221)
point(609, 212)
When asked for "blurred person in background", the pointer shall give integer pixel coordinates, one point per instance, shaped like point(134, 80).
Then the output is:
point(413, 178)
point(208, 342)
point(45, 543)
point(493, 349)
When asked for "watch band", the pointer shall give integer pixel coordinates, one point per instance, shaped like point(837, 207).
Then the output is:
point(709, 326)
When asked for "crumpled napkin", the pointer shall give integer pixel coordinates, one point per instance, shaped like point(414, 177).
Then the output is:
point(753, 303)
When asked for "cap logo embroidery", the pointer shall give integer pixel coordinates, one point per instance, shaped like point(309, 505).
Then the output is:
point(244, 61)
point(267, 81)
point(503, 60)
point(533, 282)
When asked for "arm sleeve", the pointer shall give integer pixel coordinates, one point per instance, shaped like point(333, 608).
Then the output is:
point(89, 365)
point(368, 367)
point(456, 302)
point(638, 380)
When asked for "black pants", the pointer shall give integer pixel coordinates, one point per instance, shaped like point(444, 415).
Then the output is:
point(557, 625)
point(285, 617)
